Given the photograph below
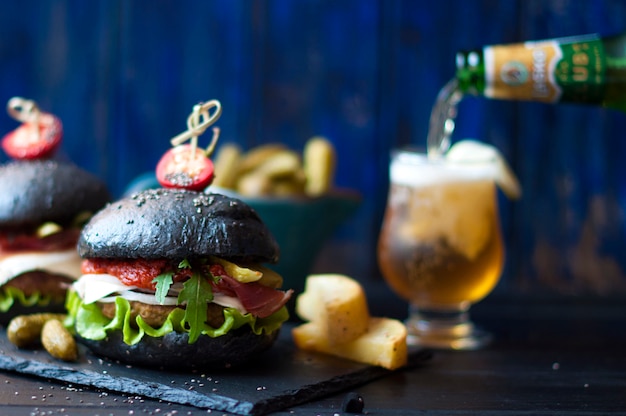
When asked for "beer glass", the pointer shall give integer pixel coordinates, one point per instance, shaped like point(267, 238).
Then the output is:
point(440, 246)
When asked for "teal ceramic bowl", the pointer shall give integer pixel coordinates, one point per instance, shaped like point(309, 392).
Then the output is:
point(301, 225)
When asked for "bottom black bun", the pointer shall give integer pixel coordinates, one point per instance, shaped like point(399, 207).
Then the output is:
point(173, 351)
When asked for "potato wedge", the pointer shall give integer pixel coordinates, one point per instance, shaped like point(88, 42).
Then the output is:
point(281, 164)
point(337, 304)
point(227, 166)
point(253, 185)
point(319, 161)
point(383, 344)
point(274, 170)
point(258, 155)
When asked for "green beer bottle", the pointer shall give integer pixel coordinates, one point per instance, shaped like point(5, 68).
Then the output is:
point(585, 69)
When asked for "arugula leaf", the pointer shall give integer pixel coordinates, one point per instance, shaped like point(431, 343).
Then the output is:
point(163, 283)
point(196, 294)
point(184, 264)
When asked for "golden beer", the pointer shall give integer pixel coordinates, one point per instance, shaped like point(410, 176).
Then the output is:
point(440, 245)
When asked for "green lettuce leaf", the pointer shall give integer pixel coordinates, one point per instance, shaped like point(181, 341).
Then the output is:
point(10, 295)
point(88, 321)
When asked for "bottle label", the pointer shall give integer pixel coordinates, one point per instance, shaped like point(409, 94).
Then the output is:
point(569, 69)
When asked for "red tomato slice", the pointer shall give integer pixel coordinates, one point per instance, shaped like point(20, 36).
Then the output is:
point(177, 169)
point(34, 141)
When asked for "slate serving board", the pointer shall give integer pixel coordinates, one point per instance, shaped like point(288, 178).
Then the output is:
point(282, 377)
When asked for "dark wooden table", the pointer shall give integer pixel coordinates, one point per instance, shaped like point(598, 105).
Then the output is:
point(550, 356)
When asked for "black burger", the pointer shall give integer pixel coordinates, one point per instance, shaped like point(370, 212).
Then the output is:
point(43, 205)
point(175, 278)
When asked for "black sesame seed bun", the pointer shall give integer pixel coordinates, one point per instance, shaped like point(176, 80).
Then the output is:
point(178, 224)
point(34, 192)
point(173, 351)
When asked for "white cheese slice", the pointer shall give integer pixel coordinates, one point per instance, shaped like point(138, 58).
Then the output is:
point(147, 298)
point(57, 262)
point(99, 288)
point(93, 287)
point(229, 302)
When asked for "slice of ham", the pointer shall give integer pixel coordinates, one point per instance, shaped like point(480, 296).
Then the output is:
point(16, 243)
point(259, 300)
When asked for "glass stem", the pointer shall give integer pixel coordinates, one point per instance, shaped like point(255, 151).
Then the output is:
point(446, 328)
point(454, 321)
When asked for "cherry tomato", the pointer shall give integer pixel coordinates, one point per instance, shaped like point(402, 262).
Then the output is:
point(177, 169)
point(34, 140)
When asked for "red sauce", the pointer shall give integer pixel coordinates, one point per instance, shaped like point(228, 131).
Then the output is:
point(134, 272)
point(217, 270)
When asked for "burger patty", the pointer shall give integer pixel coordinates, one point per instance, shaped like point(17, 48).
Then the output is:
point(53, 285)
point(155, 315)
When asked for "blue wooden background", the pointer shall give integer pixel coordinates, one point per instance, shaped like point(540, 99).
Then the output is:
point(124, 74)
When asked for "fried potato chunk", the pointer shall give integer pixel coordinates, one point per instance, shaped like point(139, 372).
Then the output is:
point(383, 344)
point(337, 304)
point(340, 324)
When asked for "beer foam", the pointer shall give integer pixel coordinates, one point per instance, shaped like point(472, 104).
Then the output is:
point(416, 170)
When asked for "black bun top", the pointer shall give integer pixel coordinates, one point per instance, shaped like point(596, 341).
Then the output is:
point(178, 224)
point(33, 192)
